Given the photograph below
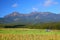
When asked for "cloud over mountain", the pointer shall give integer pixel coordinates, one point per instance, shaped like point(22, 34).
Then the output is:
point(49, 2)
point(15, 5)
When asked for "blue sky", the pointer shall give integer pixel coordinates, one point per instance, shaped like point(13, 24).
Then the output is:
point(27, 6)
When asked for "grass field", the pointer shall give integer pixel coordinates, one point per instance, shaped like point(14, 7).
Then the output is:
point(28, 34)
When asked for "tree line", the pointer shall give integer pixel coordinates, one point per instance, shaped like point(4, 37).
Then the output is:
point(50, 25)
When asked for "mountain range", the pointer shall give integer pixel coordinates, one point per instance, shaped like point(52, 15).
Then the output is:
point(33, 17)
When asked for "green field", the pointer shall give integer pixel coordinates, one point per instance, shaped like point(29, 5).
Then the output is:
point(28, 31)
point(26, 34)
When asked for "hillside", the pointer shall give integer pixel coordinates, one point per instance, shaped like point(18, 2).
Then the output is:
point(33, 17)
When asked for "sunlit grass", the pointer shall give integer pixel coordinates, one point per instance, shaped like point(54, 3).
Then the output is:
point(28, 34)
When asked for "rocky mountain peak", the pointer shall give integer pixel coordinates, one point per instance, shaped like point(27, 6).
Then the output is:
point(12, 14)
point(15, 14)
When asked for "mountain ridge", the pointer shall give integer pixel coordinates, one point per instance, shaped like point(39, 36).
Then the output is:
point(33, 17)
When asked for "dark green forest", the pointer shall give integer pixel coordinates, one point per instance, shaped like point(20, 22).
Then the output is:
point(50, 25)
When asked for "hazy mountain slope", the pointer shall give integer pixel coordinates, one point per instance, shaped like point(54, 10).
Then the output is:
point(33, 17)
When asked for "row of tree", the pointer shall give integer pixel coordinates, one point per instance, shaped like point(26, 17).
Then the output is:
point(52, 25)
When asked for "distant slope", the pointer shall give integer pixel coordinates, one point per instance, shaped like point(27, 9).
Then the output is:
point(33, 17)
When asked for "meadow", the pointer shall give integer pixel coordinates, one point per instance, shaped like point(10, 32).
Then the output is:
point(28, 34)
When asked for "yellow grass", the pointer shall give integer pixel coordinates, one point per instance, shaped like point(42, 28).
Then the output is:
point(29, 37)
point(26, 36)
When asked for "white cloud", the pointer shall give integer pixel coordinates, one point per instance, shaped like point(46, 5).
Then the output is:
point(15, 5)
point(34, 9)
point(49, 3)
point(55, 3)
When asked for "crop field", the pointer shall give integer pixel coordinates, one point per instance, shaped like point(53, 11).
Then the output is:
point(28, 34)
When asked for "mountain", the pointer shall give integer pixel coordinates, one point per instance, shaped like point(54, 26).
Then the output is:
point(33, 17)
